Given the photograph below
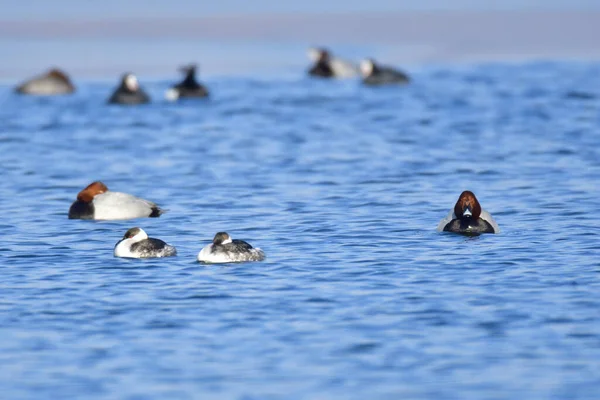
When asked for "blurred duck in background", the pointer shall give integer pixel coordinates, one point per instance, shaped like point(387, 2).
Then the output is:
point(129, 92)
point(53, 82)
point(374, 74)
point(329, 66)
point(188, 87)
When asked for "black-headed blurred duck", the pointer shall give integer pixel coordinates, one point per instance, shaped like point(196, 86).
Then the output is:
point(188, 87)
point(375, 74)
point(129, 92)
point(328, 66)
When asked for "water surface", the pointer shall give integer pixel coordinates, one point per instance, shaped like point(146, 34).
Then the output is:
point(342, 186)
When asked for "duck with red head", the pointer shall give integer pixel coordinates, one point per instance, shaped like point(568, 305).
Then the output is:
point(99, 203)
point(328, 66)
point(53, 82)
point(468, 217)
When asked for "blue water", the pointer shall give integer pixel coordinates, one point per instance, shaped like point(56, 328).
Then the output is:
point(342, 186)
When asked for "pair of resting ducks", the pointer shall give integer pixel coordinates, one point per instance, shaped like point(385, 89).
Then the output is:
point(328, 66)
point(98, 203)
point(56, 82)
point(223, 249)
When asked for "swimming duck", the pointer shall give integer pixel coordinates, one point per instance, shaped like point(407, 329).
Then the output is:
point(129, 92)
point(467, 217)
point(328, 66)
point(374, 74)
point(189, 87)
point(53, 82)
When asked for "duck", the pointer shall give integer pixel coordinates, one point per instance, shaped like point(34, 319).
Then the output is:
point(98, 203)
point(223, 249)
point(137, 244)
point(468, 218)
point(374, 74)
point(129, 92)
point(53, 82)
point(328, 66)
point(189, 87)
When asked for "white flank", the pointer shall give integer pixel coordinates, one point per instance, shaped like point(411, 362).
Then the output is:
point(123, 249)
point(221, 257)
point(366, 68)
point(172, 94)
point(117, 205)
point(343, 69)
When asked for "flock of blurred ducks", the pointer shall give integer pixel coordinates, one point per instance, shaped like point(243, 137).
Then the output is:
point(325, 65)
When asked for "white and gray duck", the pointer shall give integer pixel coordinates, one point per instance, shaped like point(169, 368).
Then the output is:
point(375, 74)
point(137, 244)
point(223, 249)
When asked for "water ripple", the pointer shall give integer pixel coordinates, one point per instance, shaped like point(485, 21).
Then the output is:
point(342, 186)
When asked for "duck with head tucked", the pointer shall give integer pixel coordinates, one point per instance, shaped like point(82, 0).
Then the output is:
point(53, 82)
point(97, 202)
point(137, 244)
point(223, 249)
point(468, 218)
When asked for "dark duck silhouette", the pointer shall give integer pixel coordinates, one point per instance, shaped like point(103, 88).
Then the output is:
point(129, 92)
point(188, 87)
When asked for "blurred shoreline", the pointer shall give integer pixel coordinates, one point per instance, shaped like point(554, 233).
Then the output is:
point(241, 44)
